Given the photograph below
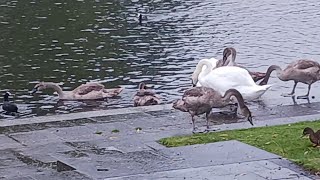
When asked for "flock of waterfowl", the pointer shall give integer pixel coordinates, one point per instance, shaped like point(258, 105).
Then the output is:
point(88, 91)
point(219, 83)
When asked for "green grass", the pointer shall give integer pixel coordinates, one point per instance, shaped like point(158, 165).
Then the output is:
point(284, 140)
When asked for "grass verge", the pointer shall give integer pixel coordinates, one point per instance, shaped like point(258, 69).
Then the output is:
point(284, 140)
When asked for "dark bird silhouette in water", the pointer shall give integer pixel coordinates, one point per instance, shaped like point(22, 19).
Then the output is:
point(313, 136)
point(140, 18)
point(9, 107)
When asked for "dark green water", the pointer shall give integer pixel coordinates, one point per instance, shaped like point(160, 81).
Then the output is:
point(74, 42)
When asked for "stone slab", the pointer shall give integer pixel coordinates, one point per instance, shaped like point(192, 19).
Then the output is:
point(107, 128)
point(80, 115)
point(66, 175)
point(17, 172)
point(8, 143)
point(170, 121)
point(225, 152)
point(239, 171)
point(75, 133)
point(20, 178)
point(149, 160)
point(8, 159)
point(36, 137)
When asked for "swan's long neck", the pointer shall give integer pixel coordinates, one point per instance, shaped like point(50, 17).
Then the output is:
point(237, 95)
point(195, 75)
point(55, 87)
point(269, 71)
point(226, 53)
point(233, 60)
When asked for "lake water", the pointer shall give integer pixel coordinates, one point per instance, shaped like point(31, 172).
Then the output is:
point(74, 42)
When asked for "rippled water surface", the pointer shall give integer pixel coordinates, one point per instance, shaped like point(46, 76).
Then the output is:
point(74, 42)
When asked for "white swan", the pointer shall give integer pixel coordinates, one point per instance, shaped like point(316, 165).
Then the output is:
point(218, 63)
point(227, 77)
point(212, 61)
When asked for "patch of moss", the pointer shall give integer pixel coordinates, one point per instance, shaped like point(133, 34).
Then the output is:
point(98, 132)
point(115, 131)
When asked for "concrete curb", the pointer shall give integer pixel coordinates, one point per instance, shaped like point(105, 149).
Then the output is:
point(82, 115)
point(74, 117)
point(270, 122)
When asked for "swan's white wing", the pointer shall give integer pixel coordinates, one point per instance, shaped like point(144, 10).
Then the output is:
point(234, 75)
point(227, 77)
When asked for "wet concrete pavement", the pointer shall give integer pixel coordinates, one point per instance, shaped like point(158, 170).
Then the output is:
point(121, 144)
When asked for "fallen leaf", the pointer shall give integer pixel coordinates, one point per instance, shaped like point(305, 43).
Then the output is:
point(223, 135)
point(113, 137)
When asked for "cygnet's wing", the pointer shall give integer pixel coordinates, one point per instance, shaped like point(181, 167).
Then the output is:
point(304, 64)
point(143, 92)
point(88, 87)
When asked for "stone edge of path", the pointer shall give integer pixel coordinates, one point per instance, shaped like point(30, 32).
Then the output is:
point(142, 109)
point(82, 115)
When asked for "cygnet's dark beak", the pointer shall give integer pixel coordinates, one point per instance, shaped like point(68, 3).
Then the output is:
point(34, 90)
point(174, 103)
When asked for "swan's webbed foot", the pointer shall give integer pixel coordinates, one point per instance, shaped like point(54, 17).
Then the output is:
point(303, 97)
point(198, 131)
point(195, 130)
point(287, 94)
point(211, 129)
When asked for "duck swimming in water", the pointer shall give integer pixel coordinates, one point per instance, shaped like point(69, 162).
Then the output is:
point(145, 97)
point(88, 91)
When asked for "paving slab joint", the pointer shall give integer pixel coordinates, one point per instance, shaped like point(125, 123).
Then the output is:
point(61, 166)
point(34, 162)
